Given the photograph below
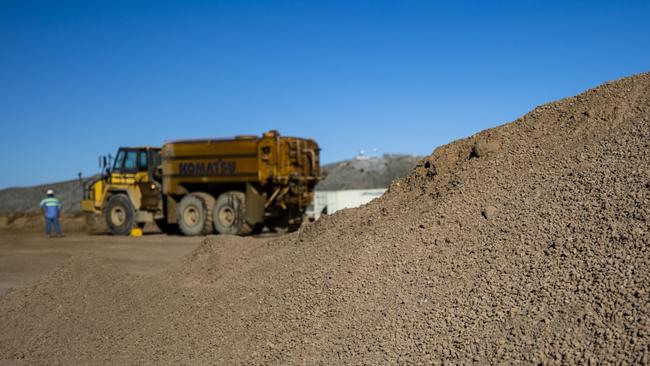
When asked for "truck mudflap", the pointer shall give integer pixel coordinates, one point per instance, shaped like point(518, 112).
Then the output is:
point(255, 205)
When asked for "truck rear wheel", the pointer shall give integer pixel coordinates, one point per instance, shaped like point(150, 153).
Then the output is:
point(230, 214)
point(195, 214)
point(119, 215)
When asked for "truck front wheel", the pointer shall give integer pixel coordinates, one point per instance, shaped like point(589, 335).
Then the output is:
point(120, 215)
point(194, 214)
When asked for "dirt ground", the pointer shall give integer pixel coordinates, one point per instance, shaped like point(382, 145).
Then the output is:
point(24, 257)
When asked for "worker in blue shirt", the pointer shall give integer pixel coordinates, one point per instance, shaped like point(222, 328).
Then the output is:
point(52, 211)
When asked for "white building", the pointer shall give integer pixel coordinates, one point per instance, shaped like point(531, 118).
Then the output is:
point(328, 202)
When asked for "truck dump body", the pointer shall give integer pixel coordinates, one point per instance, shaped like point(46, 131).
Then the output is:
point(209, 161)
point(276, 174)
point(270, 159)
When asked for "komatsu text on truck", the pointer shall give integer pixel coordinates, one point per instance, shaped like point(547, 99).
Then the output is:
point(234, 186)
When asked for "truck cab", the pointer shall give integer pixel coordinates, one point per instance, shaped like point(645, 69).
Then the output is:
point(133, 165)
point(128, 193)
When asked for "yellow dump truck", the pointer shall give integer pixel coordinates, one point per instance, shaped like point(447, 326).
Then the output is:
point(234, 186)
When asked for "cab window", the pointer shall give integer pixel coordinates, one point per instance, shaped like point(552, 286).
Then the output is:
point(155, 158)
point(142, 165)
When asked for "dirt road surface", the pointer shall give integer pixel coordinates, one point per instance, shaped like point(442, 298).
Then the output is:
point(24, 257)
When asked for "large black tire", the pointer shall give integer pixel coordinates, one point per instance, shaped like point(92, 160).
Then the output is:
point(119, 214)
point(209, 205)
point(230, 214)
point(195, 214)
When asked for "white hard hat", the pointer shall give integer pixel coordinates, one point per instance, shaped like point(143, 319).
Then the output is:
point(49, 192)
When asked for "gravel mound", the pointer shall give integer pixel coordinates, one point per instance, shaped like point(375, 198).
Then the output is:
point(527, 243)
point(366, 173)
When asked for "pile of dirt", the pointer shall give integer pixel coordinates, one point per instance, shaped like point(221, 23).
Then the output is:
point(527, 243)
point(366, 173)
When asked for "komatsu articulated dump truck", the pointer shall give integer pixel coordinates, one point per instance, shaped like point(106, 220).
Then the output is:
point(231, 186)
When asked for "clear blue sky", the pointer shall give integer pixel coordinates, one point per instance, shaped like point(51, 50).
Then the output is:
point(78, 79)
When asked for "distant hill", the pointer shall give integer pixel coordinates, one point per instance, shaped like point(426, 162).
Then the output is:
point(27, 199)
point(367, 173)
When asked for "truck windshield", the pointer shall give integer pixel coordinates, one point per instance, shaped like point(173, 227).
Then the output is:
point(119, 159)
point(126, 161)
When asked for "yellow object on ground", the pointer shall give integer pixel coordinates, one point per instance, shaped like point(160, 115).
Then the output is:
point(136, 232)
